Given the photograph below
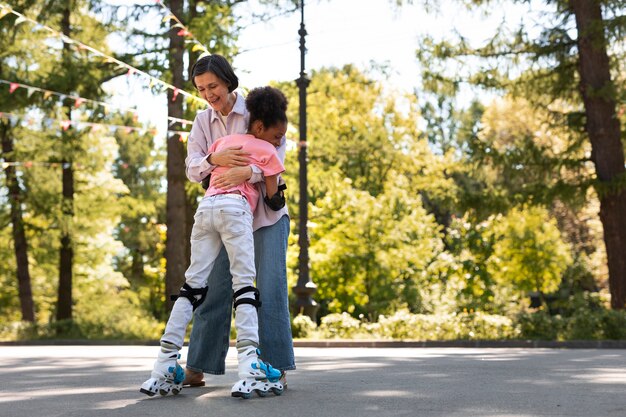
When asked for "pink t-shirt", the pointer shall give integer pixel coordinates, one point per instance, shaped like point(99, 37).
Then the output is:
point(263, 155)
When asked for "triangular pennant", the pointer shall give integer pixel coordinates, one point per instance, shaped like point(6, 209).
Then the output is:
point(4, 11)
point(168, 17)
point(79, 101)
point(30, 91)
point(65, 124)
point(198, 47)
point(20, 19)
point(47, 94)
point(175, 94)
point(183, 32)
point(13, 87)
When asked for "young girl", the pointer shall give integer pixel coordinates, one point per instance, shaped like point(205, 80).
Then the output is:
point(224, 217)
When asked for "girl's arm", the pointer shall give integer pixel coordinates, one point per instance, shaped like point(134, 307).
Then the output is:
point(271, 185)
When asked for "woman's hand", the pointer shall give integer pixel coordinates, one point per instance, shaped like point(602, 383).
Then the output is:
point(232, 178)
point(230, 157)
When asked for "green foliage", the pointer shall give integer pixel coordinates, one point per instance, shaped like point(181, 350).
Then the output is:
point(539, 325)
point(339, 326)
point(404, 325)
point(302, 326)
point(529, 254)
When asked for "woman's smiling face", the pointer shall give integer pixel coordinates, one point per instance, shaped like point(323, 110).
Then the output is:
point(215, 91)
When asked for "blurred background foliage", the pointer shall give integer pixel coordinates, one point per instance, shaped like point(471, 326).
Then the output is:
point(428, 220)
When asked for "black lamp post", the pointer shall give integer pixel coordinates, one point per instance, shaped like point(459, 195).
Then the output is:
point(304, 288)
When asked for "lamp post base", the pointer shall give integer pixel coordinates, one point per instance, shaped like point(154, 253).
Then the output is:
point(305, 304)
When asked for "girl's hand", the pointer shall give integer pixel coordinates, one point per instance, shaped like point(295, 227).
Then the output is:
point(230, 157)
point(233, 177)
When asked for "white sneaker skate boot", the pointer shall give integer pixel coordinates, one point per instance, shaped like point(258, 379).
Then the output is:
point(255, 375)
point(167, 376)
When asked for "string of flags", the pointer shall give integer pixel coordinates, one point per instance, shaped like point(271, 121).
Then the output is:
point(154, 81)
point(78, 101)
point(30, 164)
point(183, 30)
point(65, 124)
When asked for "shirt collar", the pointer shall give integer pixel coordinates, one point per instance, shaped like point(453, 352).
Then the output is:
point(239, 107)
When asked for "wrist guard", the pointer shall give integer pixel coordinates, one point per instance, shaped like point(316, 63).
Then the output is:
point(277, 201)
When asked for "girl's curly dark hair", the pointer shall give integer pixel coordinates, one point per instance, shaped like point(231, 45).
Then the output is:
point(267, 104)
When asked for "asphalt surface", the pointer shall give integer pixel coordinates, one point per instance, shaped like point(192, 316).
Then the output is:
point(85, 381)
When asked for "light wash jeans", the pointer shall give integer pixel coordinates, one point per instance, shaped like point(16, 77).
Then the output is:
point(220, 222)
point(210, 334)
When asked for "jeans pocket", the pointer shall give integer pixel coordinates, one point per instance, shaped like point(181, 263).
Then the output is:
point(198, 223)
point(235, 220)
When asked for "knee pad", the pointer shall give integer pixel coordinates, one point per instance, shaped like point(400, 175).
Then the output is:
point(277, 201)
point(253, 301)
point(195, 295)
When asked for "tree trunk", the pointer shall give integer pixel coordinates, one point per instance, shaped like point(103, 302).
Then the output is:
point(603, 128)
point(19, 237)
point(176, 211)
point(64, 301)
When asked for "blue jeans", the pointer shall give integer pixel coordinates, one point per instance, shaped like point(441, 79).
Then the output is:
point(210, 334)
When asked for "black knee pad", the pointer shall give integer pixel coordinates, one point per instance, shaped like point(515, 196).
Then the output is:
point(253, 301)
point(191, 294)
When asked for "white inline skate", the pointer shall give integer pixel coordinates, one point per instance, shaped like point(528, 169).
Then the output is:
point(167, 376)
point(255, 375)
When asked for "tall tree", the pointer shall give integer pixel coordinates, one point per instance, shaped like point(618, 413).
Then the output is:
point(176, 201)
point(66, 254)
point(572, 78)
point(603, 127)
point(19, 236)
point(14, 59)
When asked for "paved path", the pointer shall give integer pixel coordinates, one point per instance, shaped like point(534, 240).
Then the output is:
point(103, 381)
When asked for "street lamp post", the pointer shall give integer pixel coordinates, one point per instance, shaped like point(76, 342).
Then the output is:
point(304, 288)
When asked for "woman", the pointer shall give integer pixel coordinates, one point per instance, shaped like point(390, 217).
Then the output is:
point(216, 82)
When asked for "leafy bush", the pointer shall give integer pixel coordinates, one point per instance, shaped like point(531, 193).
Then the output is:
point(302, 326)
point(339, 326)
point(484, 326)
point(614, 324)
point(539, 326)
point(404, 325)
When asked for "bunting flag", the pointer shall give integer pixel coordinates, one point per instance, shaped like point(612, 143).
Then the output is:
point(66, 124)
point(30, 164)
point(182, 135)
point(5, 10)
point(78, 101)
point(184, 31)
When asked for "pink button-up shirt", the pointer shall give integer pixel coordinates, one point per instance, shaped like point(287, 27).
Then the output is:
point(206, 129)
